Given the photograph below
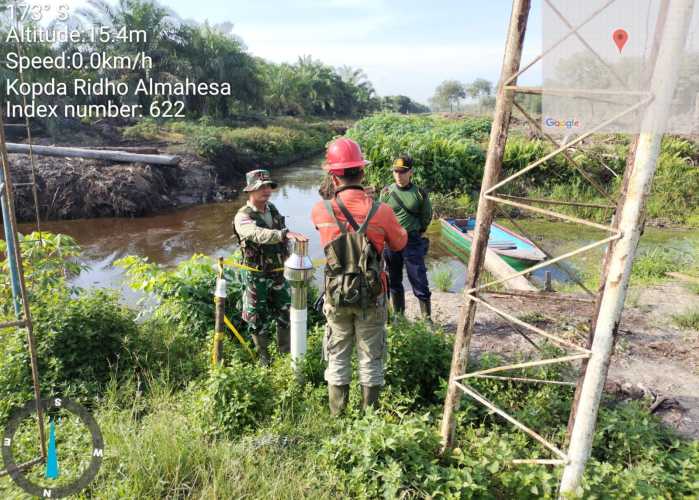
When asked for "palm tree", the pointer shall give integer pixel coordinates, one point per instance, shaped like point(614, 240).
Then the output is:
point(162, 38)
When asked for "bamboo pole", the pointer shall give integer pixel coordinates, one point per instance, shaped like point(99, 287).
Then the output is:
point(19, 288)
point(542, 295)
point(528, 380)
point(528, 364)
point(484, 217)
point(630, 218)
point(23, 466)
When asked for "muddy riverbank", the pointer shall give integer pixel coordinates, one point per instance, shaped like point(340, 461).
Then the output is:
point(76, 188)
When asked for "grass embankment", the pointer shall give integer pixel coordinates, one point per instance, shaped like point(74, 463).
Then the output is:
point(173, 428)
point(235, 148)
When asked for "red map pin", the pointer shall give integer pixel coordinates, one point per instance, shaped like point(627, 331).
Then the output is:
point(620, 38)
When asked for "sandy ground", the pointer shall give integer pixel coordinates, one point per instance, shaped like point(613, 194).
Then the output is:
point(653, 358)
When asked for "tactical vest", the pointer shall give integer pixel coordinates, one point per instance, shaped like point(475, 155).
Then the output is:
point(258, 256)
point(353, 268)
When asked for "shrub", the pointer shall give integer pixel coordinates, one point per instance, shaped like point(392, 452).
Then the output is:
point(445, 160)
point(675, 192)
point(442, 277)
point(373, 458)
point(418, 359)
point(688, 320)
point(313, 366)
point(652, 265)
point(185, 294)
point(82, 342)
point(236, 399)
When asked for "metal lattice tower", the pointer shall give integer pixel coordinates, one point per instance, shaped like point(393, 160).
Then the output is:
point(621, 240)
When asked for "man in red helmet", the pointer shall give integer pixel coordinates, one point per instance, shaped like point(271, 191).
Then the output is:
point(354, 229)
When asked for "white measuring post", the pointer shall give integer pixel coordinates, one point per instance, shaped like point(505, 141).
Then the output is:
point(298, 270)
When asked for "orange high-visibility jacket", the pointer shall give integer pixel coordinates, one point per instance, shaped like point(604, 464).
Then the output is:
point(383, 229)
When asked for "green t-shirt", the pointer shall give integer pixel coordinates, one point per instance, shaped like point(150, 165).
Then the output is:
point(417, 202)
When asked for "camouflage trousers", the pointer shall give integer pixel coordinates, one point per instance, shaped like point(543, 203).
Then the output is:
point(347, 326)
point(266, 300)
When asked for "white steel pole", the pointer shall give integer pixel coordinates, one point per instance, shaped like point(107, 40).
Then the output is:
point(654, 123)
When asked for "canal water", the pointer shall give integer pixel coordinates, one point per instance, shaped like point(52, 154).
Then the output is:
point(172, 237)
point(206, 229)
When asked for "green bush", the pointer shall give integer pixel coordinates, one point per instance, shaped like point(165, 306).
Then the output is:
point(165, 352)
point(442, 277)
point(675, 192)
point(374, 458)
point(689, 320)
point(82, 342)
point(313, 366)
point(445, 160)
point(185, 294)
point(652, 265)
point(236, 399)
point(418, 359)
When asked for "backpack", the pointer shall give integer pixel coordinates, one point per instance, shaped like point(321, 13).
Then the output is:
point(353, 268)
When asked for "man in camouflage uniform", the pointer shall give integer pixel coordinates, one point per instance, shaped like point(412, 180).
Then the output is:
point(263, 237)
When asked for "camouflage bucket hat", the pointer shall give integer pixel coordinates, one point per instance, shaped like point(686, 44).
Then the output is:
point(258, 178)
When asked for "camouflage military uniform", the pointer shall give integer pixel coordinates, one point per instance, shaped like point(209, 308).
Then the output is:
point(266, 299)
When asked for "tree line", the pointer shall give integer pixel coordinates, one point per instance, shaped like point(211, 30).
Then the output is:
point(204, 53)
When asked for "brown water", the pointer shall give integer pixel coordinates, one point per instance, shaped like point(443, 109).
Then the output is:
point(206, 229)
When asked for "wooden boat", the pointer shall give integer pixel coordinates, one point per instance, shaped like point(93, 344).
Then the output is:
point(516, 250)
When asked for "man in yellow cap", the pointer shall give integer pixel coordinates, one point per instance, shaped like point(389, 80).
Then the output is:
point(413, 208)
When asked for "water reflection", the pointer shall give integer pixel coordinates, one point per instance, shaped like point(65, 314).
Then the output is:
point(173, 237)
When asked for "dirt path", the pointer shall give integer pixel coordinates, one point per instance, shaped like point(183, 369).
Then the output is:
point(653, 357)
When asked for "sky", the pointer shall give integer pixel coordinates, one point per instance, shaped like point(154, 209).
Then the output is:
point(405, 47)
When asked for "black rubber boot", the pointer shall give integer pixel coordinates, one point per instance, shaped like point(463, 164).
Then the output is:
point(338, 397)
point(262, 347)
point(398, 303)
point(370, 396)
point(283, 339)
point(426, 309)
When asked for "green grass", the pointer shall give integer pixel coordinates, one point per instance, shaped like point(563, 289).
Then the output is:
point(175, 429)
point(442, 277)
point(688, 320)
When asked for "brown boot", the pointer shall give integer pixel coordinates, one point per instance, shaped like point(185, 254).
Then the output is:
point(370, 396)
point(338, 396)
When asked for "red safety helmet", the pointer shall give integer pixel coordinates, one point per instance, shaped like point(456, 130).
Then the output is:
point(343, 153)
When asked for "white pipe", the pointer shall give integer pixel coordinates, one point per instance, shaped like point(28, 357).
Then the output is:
point(630, 219)
point(298, 321)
